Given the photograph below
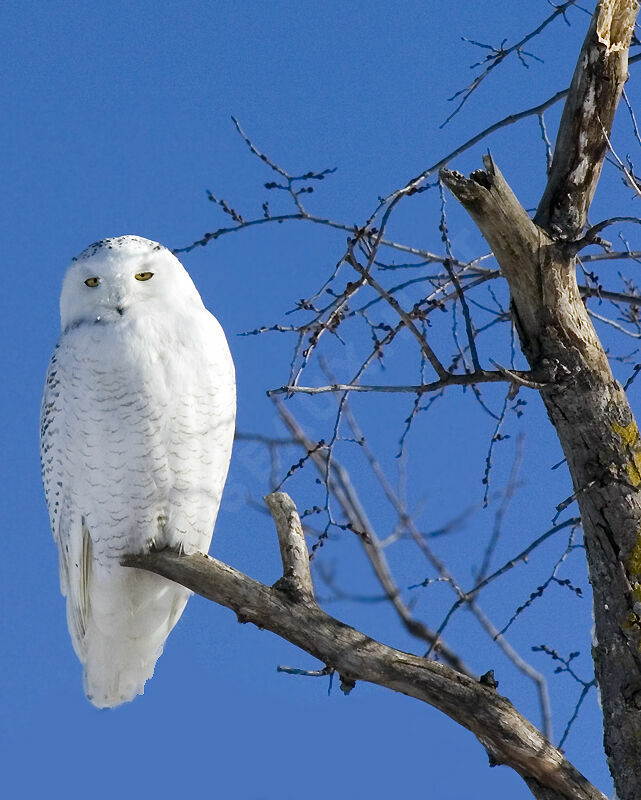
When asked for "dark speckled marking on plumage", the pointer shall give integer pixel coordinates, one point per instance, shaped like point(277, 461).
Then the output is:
point(115, 243)
point(129, 464)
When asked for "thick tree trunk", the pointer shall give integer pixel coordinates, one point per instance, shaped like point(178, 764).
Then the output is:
point(586, 405)
point(599, 437)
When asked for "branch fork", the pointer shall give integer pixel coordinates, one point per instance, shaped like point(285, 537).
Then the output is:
point(288, 609)
point(296, 579)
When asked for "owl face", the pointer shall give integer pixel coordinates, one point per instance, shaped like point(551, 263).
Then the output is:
point(116, 277)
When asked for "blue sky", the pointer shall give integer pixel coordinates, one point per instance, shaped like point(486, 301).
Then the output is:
point(116, 119)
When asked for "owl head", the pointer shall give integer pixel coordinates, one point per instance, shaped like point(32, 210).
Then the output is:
point(114, 277)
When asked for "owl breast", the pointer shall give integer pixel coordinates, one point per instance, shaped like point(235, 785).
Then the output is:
point(150, 417)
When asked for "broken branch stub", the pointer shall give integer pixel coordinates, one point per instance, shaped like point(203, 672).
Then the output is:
point(296, 577)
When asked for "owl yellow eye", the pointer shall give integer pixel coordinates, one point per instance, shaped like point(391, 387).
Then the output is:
point(92, 282)
point(143, 276)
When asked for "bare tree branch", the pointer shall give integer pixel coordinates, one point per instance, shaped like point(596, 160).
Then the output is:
point(346, 496)
point(582, 141)
point(372, 546)
point(506, 735)
point(498, 54)
point(293, 550)
point(450, 379)
point(409, 323)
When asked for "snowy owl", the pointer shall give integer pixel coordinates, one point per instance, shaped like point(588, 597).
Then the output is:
point(137, 424)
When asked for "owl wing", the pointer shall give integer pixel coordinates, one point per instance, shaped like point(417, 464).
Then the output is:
point(69, 530)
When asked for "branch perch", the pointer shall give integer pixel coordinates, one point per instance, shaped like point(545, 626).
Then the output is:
point(506, 735)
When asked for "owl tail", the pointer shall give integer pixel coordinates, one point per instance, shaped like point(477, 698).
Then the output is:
point(129, 616)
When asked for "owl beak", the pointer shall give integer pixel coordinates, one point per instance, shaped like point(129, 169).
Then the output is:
point(117, 302)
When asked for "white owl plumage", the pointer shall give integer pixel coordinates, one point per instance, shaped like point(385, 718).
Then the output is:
point(137, 424)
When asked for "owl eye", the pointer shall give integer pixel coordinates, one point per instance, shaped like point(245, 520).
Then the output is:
point(92, 282)
point(143, 276)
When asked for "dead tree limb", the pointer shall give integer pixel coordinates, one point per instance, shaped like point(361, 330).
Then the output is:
point(585, 403)
point(297, 578)
point(353, 510)
point(507, 736)
point(582, 141)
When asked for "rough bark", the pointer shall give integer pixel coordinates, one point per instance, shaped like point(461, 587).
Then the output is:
point(293, 614)
point(297, 578)
point(599, 437)
point(593, 97)
point(585, 403)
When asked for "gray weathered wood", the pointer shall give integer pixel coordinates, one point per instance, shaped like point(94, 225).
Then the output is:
point(585, 403)
point(581, 145)
point(600, 439)
point(297, 577)
point(507, 736)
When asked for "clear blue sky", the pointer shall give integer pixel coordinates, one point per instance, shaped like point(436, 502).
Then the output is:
point(116, 119)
